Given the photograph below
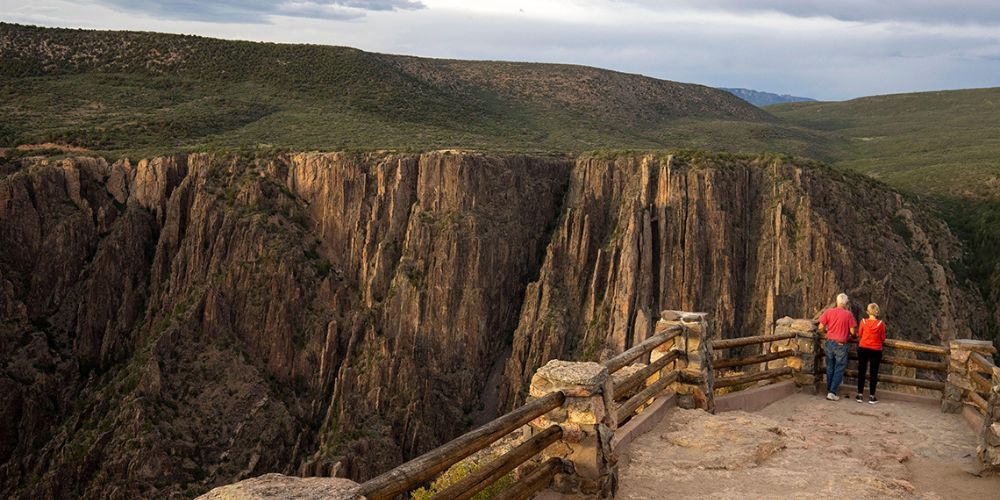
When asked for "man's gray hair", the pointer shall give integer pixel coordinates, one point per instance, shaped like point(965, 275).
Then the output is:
point(842, 299)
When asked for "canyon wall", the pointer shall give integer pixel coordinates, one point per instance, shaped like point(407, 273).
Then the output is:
point(183, 322)
point(187, 321)
point(748, 241)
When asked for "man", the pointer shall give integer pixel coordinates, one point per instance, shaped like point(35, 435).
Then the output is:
point(838, 323)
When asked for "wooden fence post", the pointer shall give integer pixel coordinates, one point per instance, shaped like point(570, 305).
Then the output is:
point(587, 419)
point(696, 386)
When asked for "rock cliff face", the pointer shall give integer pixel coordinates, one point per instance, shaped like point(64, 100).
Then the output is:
point(747, 241)
point(183, 322)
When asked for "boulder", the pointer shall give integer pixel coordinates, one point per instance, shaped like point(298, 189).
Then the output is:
point(275, 486)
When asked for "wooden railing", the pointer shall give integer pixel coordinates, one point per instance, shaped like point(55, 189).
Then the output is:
point(627, 408)
point(425, 467)
point(746, 378)
point(721, 364)
point(904, 345)
point(622, 360)
point(744, 341)
point(979, 398)
point(637, 378)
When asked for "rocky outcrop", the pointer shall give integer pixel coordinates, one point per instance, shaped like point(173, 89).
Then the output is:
point(178, 323)
point(278, 486)
point(745, 240)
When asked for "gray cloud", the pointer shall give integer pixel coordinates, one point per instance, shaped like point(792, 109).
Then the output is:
point(919, 11)
point(836, 60)
point(259, 11)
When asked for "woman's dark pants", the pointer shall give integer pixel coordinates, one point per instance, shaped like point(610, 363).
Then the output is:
point(868, 358)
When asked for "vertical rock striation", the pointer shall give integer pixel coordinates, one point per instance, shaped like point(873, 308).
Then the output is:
point(440, 248)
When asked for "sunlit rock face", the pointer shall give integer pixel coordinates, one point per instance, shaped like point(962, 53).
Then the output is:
point(748, 241)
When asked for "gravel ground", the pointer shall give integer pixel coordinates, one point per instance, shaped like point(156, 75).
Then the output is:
point(806, 447)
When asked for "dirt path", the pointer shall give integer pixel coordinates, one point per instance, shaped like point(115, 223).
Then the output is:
point(807, 447)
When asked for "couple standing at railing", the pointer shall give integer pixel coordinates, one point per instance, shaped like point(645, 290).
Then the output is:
point(839, 325)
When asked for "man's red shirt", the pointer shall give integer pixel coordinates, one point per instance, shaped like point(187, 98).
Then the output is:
point(838, 324)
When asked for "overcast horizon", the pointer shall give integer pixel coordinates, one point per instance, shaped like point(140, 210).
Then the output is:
point(822, 50)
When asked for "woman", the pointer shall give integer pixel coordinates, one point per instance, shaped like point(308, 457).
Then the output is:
point(871, 335)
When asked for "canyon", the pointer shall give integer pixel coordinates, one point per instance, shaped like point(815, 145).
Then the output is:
point(181, 322)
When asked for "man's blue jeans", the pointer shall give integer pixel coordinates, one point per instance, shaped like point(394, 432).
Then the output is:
point(836, 361)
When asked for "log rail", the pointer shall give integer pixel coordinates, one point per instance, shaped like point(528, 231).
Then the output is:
point(979, 397)
point(753, 360)
point(757, 339)
point(622, 360)
point(629, 407)
point(938, 366)
point(640, 376)
point(905, 345)
point(484, 476)
point(425, 467)
point(746, 378)
point(533, 482)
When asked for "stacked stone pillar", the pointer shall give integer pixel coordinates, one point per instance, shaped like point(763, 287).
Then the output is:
point(588, 422)
point(674, 344)
point(989, 438)
point(694, 387)
point(807, 347)
point(959, 383)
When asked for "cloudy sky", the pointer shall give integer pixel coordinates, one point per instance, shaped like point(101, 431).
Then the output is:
point(827, 49)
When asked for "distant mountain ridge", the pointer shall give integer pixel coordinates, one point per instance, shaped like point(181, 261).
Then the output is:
point(758, 98)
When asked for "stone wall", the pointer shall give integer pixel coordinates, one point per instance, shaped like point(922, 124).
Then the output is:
point(587, 419)
point(694, 386)
point(806, 345)
point(960, 383)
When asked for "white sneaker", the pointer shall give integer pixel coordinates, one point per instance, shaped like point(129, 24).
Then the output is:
point(832, 397)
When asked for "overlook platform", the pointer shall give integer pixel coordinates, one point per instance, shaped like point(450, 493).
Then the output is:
point(804, 446)
point(674, 416)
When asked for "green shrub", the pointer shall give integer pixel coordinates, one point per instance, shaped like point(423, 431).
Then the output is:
point(455, 474)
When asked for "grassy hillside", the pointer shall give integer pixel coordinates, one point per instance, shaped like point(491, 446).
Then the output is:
point(142, 93)
point(944, 143)
point(941, 146)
